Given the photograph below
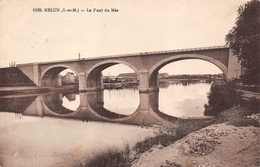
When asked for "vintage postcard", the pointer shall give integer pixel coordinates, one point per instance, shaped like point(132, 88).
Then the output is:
point(117, 83)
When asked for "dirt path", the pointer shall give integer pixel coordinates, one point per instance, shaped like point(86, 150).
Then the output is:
point(218, 145)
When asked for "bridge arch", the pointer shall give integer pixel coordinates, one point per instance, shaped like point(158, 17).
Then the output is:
point(153, 72)
point(94, 73)
point(49, 74)
point(69, 114)
point(95, 83)
point(139, 117)
point(107, 63)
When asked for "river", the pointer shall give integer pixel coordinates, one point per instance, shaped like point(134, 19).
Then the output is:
point(178, 100)
point(30, 138)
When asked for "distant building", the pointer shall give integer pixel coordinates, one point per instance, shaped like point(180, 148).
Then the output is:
point(163, 75)
point(128, 76)
point(199, 77)
point(110, 79)
point(69, 78)
point(133, 76)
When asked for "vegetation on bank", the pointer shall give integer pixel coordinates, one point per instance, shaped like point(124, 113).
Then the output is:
point(170, 133)
point(110, 158)
point(223, 96)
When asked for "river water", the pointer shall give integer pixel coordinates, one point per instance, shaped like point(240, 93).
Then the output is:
point(178, 100)
point(30, 137)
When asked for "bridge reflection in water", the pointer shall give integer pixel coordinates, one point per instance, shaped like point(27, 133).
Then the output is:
point(90, 108)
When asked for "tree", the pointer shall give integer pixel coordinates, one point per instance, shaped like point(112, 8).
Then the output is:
point(244, 40)
point(222, 97)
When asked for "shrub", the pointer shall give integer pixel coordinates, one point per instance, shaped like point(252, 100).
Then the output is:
point(222, 97)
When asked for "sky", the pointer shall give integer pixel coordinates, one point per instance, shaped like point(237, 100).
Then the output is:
point(138, 26)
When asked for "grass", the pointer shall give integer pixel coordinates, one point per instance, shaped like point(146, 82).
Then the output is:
point(237, 116)
point(110, 158)
point(170, 134)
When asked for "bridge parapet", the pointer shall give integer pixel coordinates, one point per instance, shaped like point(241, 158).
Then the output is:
point(131, 55)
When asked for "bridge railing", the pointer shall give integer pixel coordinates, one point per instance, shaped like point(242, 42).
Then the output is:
point(132, 54)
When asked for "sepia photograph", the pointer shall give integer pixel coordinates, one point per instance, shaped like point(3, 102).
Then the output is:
point(158, 83)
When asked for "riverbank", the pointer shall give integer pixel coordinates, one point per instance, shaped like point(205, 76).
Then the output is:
point(231, 140)
point(22, 90)
point(25, 90)
point(219, 145)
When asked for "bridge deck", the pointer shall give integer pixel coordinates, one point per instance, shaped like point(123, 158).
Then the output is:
point(132, 54)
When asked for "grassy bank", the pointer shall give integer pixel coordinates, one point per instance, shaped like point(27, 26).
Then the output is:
point(168, 134)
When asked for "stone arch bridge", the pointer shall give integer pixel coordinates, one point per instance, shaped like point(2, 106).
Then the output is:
point(146, 65)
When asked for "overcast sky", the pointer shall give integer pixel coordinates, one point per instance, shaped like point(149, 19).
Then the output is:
point(138, 26)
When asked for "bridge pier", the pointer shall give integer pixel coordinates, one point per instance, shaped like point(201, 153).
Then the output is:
point(36, 74)
point(144, 102)
point(99, 98)
point(83, 97)
point(94, 80)
point(143, 81)
point(144, 90)
point(95, 98)
point(91, 98)
point(234, 67)
point(82, 81)
point(39, 106)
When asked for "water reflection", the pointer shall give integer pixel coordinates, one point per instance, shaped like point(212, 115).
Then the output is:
point(54, 103)
point(62, 103)
point(90, 108)
point(122, 101)
point(16, 104)
point(122, 106)
point(184, 100)
point(96, 103)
